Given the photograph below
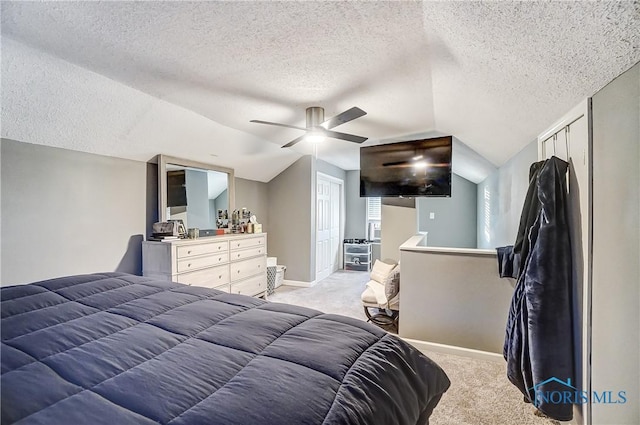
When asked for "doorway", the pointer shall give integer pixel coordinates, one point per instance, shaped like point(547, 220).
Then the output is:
point(329, 213)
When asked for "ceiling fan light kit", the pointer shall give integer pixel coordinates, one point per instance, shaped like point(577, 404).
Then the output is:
point(314, 137)
point(318, 128)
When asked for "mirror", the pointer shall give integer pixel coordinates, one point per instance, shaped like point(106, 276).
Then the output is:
point(193, 192)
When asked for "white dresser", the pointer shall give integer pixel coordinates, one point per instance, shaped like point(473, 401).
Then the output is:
point(229, 263)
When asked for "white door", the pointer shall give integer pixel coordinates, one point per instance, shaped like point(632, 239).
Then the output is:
point(323, 232)
point(328, 195)
point(334, 227)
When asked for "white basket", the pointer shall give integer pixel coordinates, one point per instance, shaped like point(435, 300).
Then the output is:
point(280, 275)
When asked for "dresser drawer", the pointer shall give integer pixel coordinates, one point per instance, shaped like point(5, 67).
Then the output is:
point(196, 263)
point(202, 249)
point(247, 243)
point(223, 288)
point(246, 268)
point(209, 278)
point(252, 286)
point(241, 254)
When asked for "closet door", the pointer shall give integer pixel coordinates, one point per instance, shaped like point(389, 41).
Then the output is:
point(557, 145)
point(323, 228)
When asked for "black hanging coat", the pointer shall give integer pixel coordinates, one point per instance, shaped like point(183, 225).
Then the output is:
point(539, 337)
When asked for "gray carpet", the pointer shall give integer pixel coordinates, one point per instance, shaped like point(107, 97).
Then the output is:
point(337, 294)
point(480, 392)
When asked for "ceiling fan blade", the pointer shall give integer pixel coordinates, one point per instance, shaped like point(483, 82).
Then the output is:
point(278, 124)
point(344, 136)
point(294, 141)
point(346, 116)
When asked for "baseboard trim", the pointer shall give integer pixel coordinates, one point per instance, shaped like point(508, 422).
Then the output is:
point(298, 283)
point(451, 349)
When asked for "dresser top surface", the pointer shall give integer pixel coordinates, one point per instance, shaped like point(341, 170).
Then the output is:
point(207, 239)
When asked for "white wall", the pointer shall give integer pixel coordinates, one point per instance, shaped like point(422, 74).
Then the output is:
point(501, 197)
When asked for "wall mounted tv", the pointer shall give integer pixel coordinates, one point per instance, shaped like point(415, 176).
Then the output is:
point(414, 168)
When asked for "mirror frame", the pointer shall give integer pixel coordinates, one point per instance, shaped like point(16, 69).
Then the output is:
point(163, 160)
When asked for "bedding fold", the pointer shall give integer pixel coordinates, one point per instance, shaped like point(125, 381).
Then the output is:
point(116, 348)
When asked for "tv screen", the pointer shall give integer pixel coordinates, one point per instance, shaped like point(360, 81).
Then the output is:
point(415, 168)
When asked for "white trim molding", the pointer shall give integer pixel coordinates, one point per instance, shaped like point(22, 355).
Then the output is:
point(298, 283)
point(425, 346)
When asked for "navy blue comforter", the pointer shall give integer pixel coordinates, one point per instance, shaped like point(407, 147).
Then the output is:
point(118, 349)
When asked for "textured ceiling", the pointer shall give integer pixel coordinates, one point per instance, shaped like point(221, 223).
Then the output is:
point(185, 78)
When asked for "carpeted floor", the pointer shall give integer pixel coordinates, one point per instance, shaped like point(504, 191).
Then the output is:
point(480, 392)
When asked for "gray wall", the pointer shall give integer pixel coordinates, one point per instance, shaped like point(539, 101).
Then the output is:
point(616, 247)
point(455, 223)
point(74, 212)
point(397, 225)
point(66, 212)
point(329, 169)
point(356, 214)
point(290, 221)
point(440, 302)
point(500, 199)
point(223, 200)
point(221, 203)
point(254, 196)
point(292, 216)
point(197, 199)
point(455, 219)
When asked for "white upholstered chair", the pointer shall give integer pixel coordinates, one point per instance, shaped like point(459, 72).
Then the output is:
point(381, 297)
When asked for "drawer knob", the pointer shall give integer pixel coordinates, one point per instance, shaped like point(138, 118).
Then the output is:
point(238, 243)
point(219, 276)
point(238, 255)
point(189, 265)
point(258, 265)
point(238, 271)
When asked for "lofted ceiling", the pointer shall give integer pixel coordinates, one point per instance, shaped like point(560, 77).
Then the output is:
point(133, 79)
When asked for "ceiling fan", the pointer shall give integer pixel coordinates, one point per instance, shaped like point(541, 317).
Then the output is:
point(318, 128)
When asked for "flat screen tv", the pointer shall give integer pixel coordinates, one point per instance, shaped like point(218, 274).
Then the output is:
point(414, 168)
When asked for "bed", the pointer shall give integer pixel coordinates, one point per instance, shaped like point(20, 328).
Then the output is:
point(113, 348)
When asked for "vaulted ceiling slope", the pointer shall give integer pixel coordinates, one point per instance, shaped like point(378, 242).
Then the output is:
point(190, 75)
